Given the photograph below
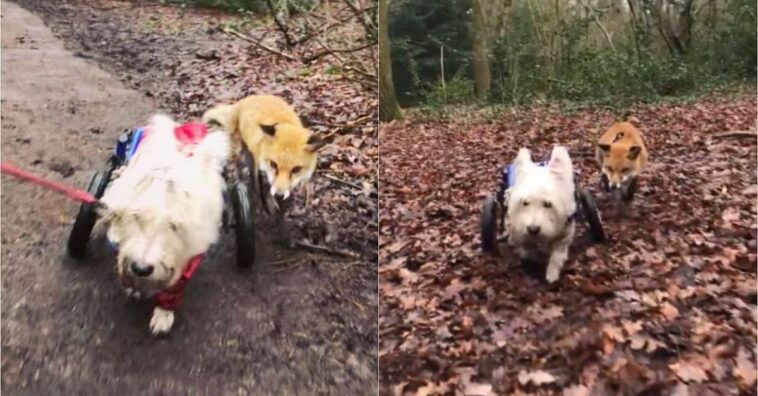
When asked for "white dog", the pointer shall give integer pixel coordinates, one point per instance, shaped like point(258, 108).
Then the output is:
point(541, 207)
point(163, 210)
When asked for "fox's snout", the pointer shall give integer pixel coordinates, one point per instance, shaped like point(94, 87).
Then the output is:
point(280, 193)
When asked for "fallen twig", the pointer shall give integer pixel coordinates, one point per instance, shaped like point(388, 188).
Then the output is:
point(347, 183)
point(738, 134)
point(351, 124)
point(259, 44)
point(282, 25)
point(325, 249)
point(328, 51)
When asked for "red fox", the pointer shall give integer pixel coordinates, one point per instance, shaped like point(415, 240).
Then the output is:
point(281, 146)
point(621, 154)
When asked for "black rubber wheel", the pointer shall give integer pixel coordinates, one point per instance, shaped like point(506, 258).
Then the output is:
point(489, 227)
point(87, 216)
point(592, 215)
point(243, 225)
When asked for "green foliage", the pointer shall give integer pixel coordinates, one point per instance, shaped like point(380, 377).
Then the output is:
point(418, 29)
point(537, 53)
point(459, 90)
point(731, 50)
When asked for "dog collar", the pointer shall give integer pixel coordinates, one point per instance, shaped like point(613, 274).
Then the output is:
point(169, 299)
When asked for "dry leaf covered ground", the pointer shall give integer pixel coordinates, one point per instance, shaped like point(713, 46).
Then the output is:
point(667, 306)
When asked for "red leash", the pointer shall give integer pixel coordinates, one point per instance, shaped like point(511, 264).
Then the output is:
point(73, 193)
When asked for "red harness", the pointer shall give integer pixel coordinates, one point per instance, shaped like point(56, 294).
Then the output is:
point(171, 298)
point(188, 135)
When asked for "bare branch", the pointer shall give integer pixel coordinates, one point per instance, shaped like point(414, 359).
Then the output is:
point(258, 43)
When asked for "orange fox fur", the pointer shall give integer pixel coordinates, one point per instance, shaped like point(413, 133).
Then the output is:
point(281, 146)
point(621, 153)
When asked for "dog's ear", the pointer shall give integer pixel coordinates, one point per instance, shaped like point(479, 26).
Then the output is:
point(560, 162)
point(315, 143)
point(605, 147)
point(524, 157)
point(269, 129)
point(634, 152)
point(522, 162)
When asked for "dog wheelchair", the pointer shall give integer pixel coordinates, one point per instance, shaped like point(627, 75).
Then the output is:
point(494, 210)
point(237, 212)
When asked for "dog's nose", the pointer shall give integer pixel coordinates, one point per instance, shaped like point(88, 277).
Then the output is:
point(141, 271)
point(534, 230)
point(615, 186)
point(280, 195)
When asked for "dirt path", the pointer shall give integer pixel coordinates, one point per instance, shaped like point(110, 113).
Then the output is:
point(299, 323)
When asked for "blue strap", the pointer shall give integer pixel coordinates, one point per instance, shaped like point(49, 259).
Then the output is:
point(136, 139)
point(112, 245)
point(509, 173)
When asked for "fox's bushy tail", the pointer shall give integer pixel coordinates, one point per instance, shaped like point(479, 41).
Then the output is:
point(224, 115)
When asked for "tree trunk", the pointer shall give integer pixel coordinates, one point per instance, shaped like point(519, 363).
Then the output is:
point(479, 51)
point(389, 109)
point(635, 29)
point(684, 25)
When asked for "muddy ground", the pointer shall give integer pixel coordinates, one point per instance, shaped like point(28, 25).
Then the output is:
point(299, 323)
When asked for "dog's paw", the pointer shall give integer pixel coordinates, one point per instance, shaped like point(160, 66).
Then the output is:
point(552, 275)
point(161, 321)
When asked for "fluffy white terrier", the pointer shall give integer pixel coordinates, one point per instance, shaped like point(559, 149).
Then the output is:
point(165, 208)
point(541, 207)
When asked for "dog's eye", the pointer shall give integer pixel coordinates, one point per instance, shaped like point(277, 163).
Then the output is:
point(609, 169)
point(173, 227)
point(272, 164)
point(547, 204)
point(297, 169)
point(625, 170)
point(525, 203)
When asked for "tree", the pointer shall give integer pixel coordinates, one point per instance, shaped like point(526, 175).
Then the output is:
point(389, 109)
point(480, 50)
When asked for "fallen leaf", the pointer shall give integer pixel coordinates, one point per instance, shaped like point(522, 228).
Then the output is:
point(745, 369)
point(478, 389)
point(429, 389)
point(614, 333)
point(408, 276)
point(669, 311)
point(689, 372)
point(537, 377)
point(576, 390)
point(548, 313)
point(681, 390)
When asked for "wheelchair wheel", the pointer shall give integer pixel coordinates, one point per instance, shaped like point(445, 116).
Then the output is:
point(243, 225)
point(592, 214)
point(87, 216)
point(489, 223)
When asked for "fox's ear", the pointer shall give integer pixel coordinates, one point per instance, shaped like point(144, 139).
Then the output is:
point(269, 129)
point(604, 147)
point(315, 143)
point(634, 152)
